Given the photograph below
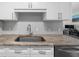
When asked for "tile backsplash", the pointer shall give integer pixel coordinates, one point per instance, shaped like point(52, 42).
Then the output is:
point(54, 27)
point(38, 25)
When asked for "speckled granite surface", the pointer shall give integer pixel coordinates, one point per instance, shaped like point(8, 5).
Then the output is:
point(50, 40)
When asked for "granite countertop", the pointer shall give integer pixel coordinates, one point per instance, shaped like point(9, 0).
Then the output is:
point(50, 40)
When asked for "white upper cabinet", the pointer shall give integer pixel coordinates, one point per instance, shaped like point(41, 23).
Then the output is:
point(66, 10)
point(53, 9)
point(39, 5)
point(7, 10)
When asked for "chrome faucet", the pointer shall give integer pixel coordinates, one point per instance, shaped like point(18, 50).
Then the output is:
point(29, 29)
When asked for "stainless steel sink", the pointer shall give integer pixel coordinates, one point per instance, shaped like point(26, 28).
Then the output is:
point(30, 39)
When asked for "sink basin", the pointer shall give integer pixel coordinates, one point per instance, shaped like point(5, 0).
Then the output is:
point(30, 39)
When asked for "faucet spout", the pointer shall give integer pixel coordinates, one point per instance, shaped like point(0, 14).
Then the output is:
point(29, 29)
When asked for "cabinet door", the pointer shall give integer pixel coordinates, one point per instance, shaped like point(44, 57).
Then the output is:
point(42, 51)
point(16, 5)
point(2, 51)
point(22, 51)
point(66, 10)
point(5, 11)
point(39, 5)
point(52, 10)
point(14, 51)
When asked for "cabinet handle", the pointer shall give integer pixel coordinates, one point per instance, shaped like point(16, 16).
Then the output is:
point(17, 51)
point(42, 52)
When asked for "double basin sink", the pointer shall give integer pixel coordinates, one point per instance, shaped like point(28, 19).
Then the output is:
point(30, 39)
